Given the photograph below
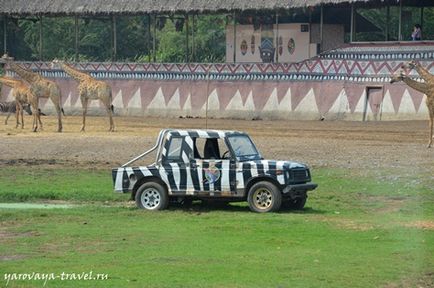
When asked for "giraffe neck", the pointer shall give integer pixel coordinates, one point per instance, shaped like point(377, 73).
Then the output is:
point(421, 87)
point(27, 75)
point(424, 73)
point(74, 73)
point(10, 82)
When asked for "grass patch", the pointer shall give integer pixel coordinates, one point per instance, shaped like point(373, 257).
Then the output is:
point(18, 184)
point(209, 248)
point(359, 229)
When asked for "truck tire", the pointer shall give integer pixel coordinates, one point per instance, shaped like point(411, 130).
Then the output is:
point(264, 197)
point(152, 196)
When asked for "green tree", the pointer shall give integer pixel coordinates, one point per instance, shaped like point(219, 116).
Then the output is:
point(171, 44)
point(210, 39)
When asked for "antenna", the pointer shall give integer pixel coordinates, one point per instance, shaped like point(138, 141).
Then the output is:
point(207, 96)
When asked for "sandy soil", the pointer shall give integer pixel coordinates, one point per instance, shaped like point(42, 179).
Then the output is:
point(341, 144)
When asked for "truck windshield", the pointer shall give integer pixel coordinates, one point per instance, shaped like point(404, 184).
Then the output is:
point(243, 147)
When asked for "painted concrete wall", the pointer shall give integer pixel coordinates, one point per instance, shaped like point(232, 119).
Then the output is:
point(333, 86)
point(248, 100)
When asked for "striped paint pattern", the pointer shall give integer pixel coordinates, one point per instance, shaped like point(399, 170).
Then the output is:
point(207, 177)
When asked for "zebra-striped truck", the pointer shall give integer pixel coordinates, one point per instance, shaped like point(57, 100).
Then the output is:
point(213, 165)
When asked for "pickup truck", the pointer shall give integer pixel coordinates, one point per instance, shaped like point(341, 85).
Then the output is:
point(213, 165)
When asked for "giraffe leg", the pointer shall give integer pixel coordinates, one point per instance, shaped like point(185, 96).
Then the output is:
point(431, 120)
point(84, 103)
point(7, 117)
point(17, 113)
point(36, 116)
point(39, 120)
point(34, 125)
point(59, 118)
point(108, 107)
point(55, 98)
point(22, 116)
point(112, 125)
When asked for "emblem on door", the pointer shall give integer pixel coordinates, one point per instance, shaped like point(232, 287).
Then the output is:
point(212, 174)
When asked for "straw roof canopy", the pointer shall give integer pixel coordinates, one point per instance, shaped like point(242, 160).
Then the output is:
point(104, 7)
point(83, 7)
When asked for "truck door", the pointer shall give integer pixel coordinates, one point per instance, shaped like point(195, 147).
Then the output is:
point(213, 174)
point(175, 165)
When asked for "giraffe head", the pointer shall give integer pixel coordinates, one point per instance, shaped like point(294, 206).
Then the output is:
point(409, 65)
point(5, 58)
point(55, 63)
point(397, 77)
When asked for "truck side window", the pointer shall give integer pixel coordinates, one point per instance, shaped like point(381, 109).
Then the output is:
point(209, 148)
point(174, 152)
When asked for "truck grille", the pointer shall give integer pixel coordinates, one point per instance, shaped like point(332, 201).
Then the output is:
point(300, 175)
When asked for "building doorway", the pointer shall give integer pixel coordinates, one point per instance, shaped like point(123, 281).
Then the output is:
point(373, 102)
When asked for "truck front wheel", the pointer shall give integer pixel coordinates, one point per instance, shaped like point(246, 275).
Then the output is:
point(152, 196)
point(264, 197)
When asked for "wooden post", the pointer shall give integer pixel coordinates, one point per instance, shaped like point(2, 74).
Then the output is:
point(321, 28)
point(352, 24)
point(76, 38)
point(149, 38)
point(400, 22)
point(186, 37)
point(5, 34)
point(154, 45)
point(421, 19)
point(193, 56)
point(277, 37)
point(235, 36)
point(40, 38)
point(310, 30)
point(114, 38)
point(387, 22)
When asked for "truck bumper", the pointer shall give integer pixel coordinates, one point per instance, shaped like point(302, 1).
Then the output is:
point(299, 188)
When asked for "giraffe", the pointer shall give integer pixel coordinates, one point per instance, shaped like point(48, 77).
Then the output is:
point(40, 87)
point(89, 89)
point(424, 73)
point(425, 88)
point(23, 95)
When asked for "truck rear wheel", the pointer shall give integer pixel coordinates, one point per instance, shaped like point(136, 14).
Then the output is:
point(264, 197)
point(152, 196)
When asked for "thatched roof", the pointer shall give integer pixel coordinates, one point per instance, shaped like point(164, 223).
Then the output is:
point(83, 7)
point(104, 7)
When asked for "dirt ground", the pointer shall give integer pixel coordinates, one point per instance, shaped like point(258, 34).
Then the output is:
point(340, 144)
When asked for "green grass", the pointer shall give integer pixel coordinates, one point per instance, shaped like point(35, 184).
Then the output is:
point(358, 230)
point(19, 184)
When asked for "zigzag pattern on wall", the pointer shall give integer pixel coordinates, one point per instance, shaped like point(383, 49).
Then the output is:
point(354, 64)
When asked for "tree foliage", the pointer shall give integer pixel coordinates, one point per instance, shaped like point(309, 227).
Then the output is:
point(136, 35)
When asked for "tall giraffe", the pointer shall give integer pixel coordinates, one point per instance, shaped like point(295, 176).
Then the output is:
point(425, 88)
point(23, 95)
point(40, 87)
point(90, 89)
